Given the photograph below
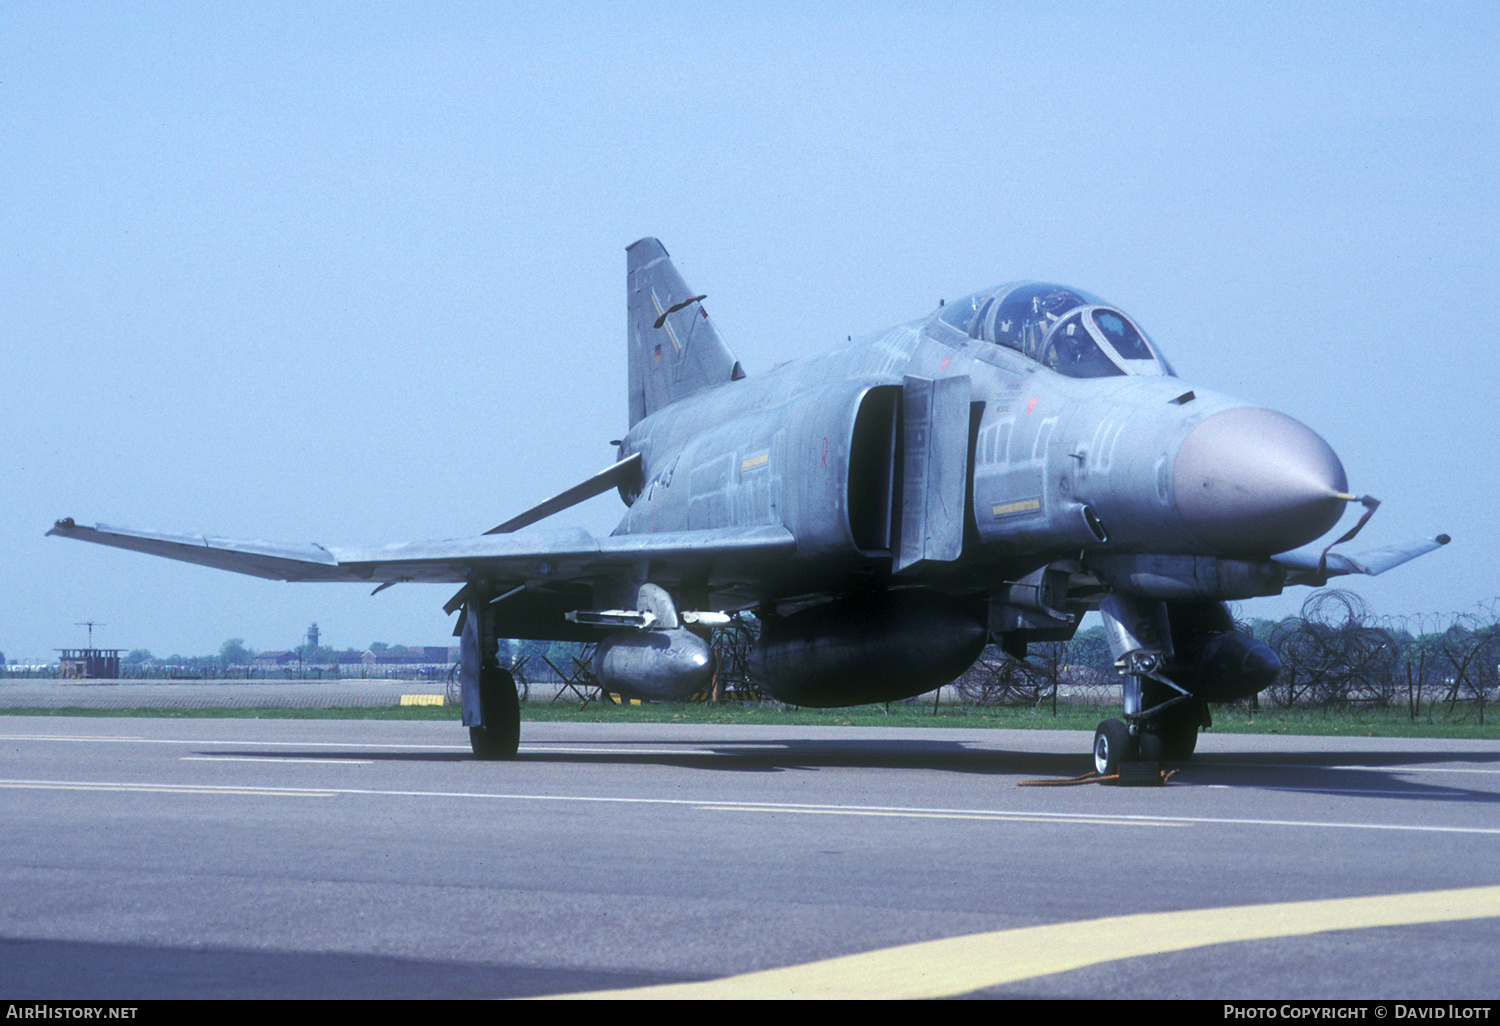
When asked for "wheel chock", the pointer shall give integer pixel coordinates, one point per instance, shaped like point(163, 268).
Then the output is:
point(1141, 774)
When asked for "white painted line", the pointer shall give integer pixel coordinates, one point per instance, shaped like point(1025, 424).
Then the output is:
point(199, 789)
point(622, 750)
point(696, 747)
point(1415, 769)
point(1438, 794)
point(1386, 768)
point(231, 741)
point(275, 758)
point(708, 804)
point(545, 748)
point(990, 816)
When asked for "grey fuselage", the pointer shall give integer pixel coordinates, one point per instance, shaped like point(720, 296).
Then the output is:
point(1057, 468)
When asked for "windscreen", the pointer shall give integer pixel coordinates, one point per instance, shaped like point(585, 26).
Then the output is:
point(1097, 341)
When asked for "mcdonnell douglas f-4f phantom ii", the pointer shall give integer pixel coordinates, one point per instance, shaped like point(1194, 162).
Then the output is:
point(991, 471)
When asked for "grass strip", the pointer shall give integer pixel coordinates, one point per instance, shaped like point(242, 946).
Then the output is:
point(1389, 722)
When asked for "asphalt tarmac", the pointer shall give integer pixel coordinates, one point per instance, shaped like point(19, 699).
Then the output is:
point(155, 858)
point(43, 693)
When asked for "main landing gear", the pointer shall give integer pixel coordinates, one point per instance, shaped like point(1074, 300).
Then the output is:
point(500, 734)
point(491, 707)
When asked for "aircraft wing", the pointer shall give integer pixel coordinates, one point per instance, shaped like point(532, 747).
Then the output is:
point(1303, 564)
point(530, 557)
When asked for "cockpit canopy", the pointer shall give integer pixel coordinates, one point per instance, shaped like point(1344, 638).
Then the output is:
point(1070, 331)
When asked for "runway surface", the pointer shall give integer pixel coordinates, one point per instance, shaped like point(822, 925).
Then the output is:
point(167, 694)
point(295, 858)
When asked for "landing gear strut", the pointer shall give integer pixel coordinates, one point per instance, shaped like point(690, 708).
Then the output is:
point(491, 708)
point(1161, 718)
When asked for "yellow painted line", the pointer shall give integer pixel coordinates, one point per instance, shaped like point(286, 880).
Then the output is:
point(41, 785)
point(962, 965)
point(992, 817)
point(421, 699)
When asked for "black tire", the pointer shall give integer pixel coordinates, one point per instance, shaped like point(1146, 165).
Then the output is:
point(1149, 746)
point(1111, 747)
point(500, 710)
point(1177, 728)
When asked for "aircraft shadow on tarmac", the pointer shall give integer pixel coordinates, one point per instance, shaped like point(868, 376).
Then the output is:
point(1373, 774)
point(1376, 774)
point(759, 756)
point(33, 970)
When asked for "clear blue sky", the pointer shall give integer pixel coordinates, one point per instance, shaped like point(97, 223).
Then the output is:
point(355, 273)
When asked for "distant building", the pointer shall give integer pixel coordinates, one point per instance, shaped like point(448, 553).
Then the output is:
point(89, 663)
point(428, 655)
point(354, 661)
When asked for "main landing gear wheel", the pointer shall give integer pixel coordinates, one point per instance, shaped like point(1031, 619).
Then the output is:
point(501, 712)
point(1177, 729)
point(1111, 747)
point(1149, 747)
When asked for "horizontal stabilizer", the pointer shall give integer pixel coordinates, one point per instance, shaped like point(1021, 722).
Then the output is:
point(610, 477)
point(1303, 563)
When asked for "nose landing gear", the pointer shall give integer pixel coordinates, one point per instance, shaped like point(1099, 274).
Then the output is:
point(1165, 731)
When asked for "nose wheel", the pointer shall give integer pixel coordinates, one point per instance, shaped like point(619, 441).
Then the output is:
point(1112, 746)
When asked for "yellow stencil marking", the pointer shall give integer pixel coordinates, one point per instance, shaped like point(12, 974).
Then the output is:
point(1021, 506)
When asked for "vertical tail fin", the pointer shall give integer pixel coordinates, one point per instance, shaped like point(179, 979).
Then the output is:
point(674, 349)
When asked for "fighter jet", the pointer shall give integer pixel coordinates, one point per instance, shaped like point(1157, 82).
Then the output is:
point(988, 472)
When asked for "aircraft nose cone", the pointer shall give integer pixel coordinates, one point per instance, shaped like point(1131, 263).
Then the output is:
point(1250, 481)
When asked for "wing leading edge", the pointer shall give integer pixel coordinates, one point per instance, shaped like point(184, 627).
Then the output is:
point(529, 557)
